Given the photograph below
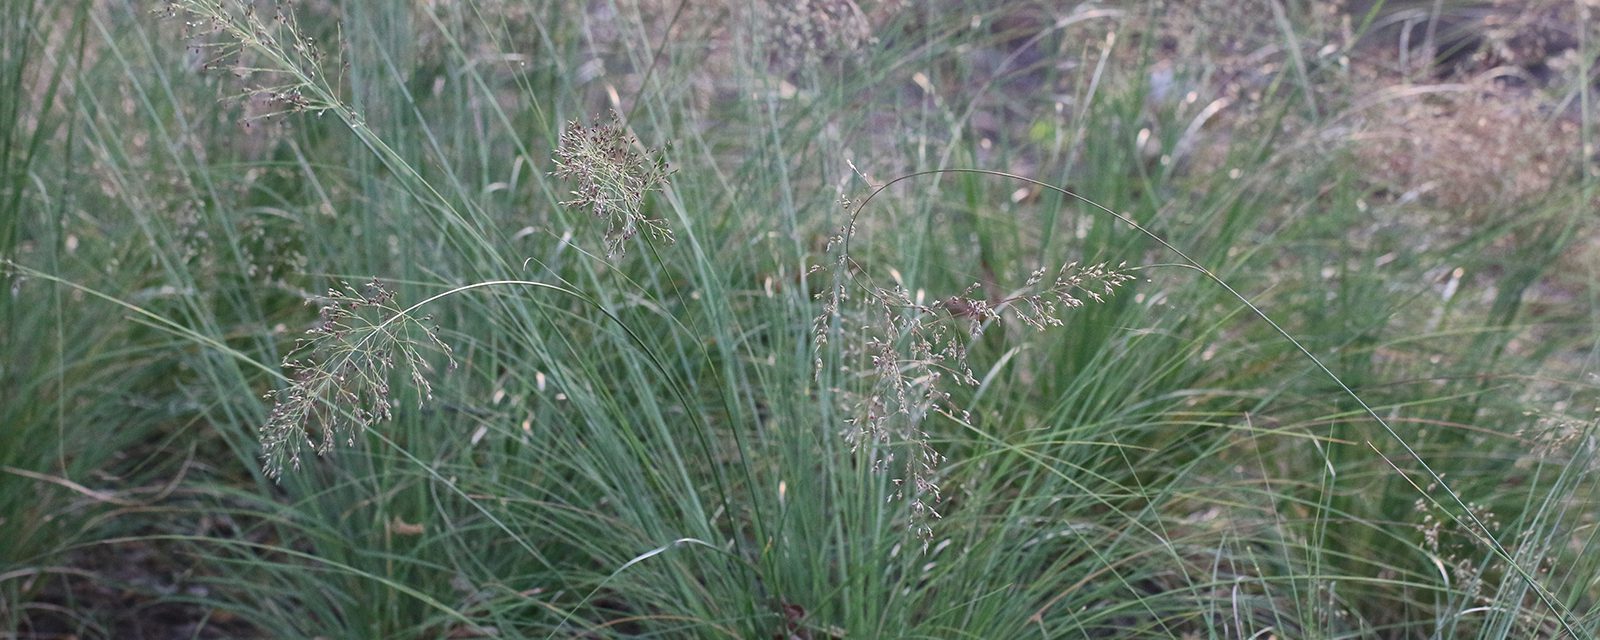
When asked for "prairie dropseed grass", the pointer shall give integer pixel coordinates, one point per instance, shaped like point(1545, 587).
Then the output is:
point(1307, 428)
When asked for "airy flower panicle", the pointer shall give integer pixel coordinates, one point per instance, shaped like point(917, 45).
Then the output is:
point(901, 352)
point(340, 373)
point(611, 175)
point(283, 68)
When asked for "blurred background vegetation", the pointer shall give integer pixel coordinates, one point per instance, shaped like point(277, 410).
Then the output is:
point(1408, 188)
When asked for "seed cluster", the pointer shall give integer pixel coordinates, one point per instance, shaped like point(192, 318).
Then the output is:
point(283, 68)
point(611, 174)
point(896, 354)
point(340, 373)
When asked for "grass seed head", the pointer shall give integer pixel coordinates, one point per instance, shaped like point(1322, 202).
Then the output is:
point(611, 175)
point(339, 374)
point(898, 356)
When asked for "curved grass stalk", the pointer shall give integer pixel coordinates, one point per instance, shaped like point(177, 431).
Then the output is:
point(625, 566)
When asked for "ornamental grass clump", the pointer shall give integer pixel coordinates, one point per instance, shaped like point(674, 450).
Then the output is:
point(611, 174)
point(339, 376)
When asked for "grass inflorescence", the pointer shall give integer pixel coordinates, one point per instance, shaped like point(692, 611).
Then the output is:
point(899, 352)
point(610, 177)
point(340, 374)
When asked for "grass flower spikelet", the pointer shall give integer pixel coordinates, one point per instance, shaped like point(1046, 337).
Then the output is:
point(339, 375)
point(611, 175)
point(898, 355)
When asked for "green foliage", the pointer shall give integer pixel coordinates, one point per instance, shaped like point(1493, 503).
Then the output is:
point(1301, 406)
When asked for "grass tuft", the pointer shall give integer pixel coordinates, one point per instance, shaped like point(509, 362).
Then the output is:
point(1358, 404)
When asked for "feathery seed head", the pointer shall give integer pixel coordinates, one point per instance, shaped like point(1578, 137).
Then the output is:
point(611, 175)
point(339, 376)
